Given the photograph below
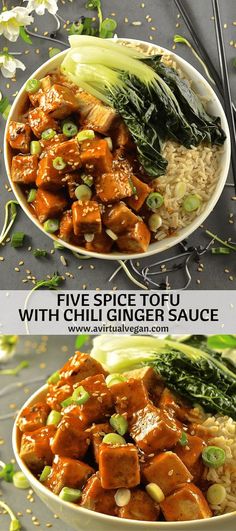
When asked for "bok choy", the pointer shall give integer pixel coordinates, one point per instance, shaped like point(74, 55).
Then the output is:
point(155, 103)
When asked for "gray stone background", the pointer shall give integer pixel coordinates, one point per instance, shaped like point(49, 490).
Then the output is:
point(217, 272)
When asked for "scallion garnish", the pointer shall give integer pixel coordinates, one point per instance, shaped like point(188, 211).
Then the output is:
point(17, 239)
point(183, 40)
point(220, 250)
point(20, 481)
point(16, 370)
point(15, 523)
point(31, 195)
point(39, 252)
point(218, 239)
point(7, 472)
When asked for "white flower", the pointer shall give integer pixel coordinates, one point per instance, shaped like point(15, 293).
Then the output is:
point(9, 64)
point(40, 6)
point(10, 22)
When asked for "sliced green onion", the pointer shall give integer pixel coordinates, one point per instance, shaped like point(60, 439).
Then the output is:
point(32, 86)
point(35, 147)
point(113, 379)
point(70, 495)
point(183, 439)
point(58, 163)
point(17, 239)
point(220, 250)
point(6, 112)
point(7, 472)
point(213, 456)
point(39, 252)
point(54, 418)
point(4, 103)
point(69, 129)
point(53, 52)
point(114, 439)
point(54, 378)
point(154, 201)
point(45, 473)
point(80, 395)
point(87, 179)
point(48, 134)
point(86, 134)
point(154, 222)
point(119, 423)
point(51, 225)
point(133, 188)
point(20, 481)
point(58, 245)
point(191, 203)
point(155, 492)
point(67, 402)
point(83, 192)
point(216, 494)
point(31, 195)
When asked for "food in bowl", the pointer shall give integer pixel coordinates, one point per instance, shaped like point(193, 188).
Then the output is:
point(123, 444)
point(115, 154)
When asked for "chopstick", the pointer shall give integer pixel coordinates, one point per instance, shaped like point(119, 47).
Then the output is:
point(225, 83)
point(201, 50)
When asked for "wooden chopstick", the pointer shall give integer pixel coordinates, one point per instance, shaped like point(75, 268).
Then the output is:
point(225, 83)
point(201, 50)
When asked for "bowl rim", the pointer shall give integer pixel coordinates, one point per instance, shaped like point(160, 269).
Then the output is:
point(166, 243)
point(82, 510)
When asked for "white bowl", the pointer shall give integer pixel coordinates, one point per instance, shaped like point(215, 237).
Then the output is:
point(86, 520)
point(214, 107)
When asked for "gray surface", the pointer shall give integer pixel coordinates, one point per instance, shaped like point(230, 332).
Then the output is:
point(164, 18)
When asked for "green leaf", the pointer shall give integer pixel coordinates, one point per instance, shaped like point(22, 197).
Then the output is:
point(76, 29)
point(93, 4)
point(80, 340)
point(7, 473)
point(16, 370)
point(221, 342)
point(108, 27)
point(3, 104)
point(25, 37)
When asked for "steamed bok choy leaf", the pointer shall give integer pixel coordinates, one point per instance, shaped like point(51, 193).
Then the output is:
point(195, 374)
point(152, 100)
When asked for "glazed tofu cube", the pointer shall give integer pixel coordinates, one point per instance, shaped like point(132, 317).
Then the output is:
point(40, 121)
point(46, 83)
point(136, 240)
point(24, 169)
point(142, 190)
point(121, 136)
point(72, 180)
point(66, 226)
point(47, 144)
point(49, 205)
point(113, 186)
point(187, 503)
point(35, 97)
point(86, 217)
point(70, 152)
point(140, 507)
point(119, 218)
point(98, 499)
point(153, 430)
point(167, 471)
point(68, 472)
point(190, 453)
point(99, 404)
point(48, 178)
point(79, 367)
point(18, 136)
point(146, 374)
point(101, 243)
point(33, 417)
point(70, 440)
point(97, 432)
point(96, 156)
point(35, 448)
point(119, 466)
point(129, 396)
point(59, 101)
point(94, 114)
point(57, 394)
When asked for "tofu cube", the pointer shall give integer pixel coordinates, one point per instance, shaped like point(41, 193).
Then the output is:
point(47, 144)
point(136, 240)
point(24, 169)
point(49, 205)
point(72, 180)
point(48, 178)
point(119, 218)
point(40, 121)
point(166, 470)
point(66, 226)
point(190, 453)
point(35, 448)
point(57, 394)
point(146, 374)
point(129, 396)
point(70, 152)
point(86, 217)
point(99, 404)
point(68, 472)
point(59, 101)
point(97, 432)
point(95, 498)
point(119, 466)
point(18, 136)
point(101, 243)
point(33, 417)
point(187, 503)
point(142, 190)
point(70, 439)
point(113, 186)
point(153, 430)
point(96, 156)
point(140, 507)
point(79, 367)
